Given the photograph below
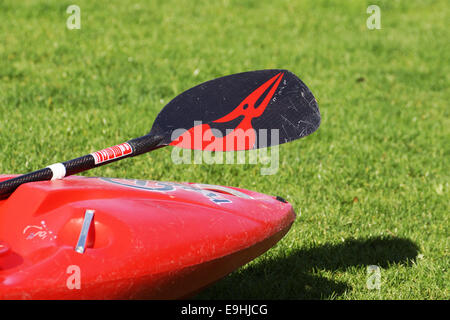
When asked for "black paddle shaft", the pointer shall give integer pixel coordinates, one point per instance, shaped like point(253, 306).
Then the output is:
point(131, 148)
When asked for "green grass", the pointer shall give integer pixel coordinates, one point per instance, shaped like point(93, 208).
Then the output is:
point(371, 186)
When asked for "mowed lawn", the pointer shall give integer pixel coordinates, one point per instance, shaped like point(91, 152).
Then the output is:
point(370, 187)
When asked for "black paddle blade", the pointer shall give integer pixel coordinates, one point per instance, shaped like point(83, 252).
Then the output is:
point(239, 112)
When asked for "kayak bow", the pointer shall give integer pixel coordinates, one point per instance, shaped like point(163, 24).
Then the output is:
point(104, 238)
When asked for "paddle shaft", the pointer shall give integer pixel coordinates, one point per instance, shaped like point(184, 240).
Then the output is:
point(128, 149)
point(263, 99)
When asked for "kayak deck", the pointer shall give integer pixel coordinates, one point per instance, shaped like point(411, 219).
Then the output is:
point(147, 239)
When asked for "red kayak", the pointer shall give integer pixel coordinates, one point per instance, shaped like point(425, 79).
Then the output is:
point(105, 238)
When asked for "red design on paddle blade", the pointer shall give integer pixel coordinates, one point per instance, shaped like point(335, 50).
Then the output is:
point(243, 136)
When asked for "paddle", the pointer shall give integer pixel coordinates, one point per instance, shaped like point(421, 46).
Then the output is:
point(225, 114)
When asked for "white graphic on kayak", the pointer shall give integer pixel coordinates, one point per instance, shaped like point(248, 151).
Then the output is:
point(159, 186)
point(41, 232)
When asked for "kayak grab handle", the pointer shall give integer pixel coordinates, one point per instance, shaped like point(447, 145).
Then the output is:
point(82, 239)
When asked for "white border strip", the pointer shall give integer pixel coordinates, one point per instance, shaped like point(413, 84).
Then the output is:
point(59, 171)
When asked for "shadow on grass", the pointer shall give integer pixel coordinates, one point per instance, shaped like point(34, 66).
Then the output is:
point(292, 276)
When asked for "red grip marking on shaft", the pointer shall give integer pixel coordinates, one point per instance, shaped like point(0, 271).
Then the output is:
point(112, 153)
